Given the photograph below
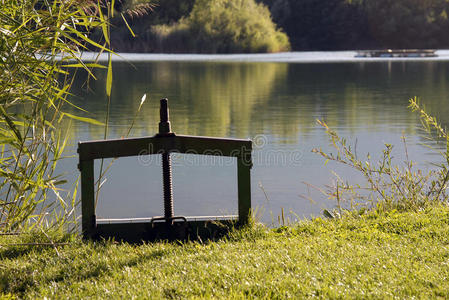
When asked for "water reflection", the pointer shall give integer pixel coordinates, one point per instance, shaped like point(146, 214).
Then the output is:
point(280, 101)
point(205, 99)
point(244, 99)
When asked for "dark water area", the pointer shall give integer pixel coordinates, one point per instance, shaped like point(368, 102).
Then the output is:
point(274, 104)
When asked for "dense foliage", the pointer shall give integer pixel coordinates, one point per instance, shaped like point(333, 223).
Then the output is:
point(39, 41)
point(324, 25)
point(211, 26)
point(408, 23)
point(346, 24)
point(309, 24)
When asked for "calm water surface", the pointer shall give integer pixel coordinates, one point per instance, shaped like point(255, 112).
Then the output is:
point(276, 105)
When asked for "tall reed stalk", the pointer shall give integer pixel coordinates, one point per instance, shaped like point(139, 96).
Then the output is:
point(40, 40)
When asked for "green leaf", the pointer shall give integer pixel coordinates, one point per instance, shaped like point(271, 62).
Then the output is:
point(90, 65)
point(11, 124)
point(127, 25)
point(327, 214)
point(109, 77)
point(104, 25)
point(84, 119)
point(59, 182)
point(112, 8)
point(83, 37)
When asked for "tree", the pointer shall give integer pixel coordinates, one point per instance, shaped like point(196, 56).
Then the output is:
point(320, 25)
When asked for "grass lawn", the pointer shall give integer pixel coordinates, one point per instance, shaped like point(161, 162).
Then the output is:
point(374, 256)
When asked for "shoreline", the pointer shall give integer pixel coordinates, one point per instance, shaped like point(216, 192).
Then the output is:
point(282, 57)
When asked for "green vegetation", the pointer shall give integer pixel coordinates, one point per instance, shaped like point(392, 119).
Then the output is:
point(397, 247)
point(350, 24)
point(217, 26)
point(39, 43)
point(374, 255)
point(323, 25)
point(309, 25)
point(390, 187)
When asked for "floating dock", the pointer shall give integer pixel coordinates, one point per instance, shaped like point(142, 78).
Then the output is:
point(397, 53)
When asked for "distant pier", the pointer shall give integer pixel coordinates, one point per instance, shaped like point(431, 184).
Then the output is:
point(397, 53)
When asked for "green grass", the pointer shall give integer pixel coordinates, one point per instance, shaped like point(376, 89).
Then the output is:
point(393, 254)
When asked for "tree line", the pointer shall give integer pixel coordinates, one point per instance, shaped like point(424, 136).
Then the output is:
point(223, 26)
point(362, 24)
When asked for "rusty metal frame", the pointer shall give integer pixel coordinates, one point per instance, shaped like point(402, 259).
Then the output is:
point(91, 150)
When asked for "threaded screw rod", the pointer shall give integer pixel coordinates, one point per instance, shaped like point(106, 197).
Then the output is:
point(168, 188)
point(165, 129)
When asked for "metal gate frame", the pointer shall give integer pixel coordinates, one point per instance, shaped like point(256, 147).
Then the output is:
point(145, 229)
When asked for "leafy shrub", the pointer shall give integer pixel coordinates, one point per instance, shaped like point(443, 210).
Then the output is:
point(221, 26)
point(388, 186)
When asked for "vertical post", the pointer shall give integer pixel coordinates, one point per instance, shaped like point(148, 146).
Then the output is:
point(87, 198)
point(244, 186)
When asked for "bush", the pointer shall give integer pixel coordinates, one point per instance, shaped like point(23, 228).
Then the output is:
point(221, 26)
point(388, 186)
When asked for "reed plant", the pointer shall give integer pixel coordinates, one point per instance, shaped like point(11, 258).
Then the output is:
point(389, 186)
point(40, 45)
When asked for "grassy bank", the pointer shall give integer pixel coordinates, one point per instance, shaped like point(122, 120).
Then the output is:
point(393, 254)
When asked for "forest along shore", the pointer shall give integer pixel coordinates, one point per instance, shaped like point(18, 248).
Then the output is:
point(249, 26)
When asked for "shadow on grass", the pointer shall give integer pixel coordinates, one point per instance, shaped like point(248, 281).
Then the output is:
point(74, 263)
point(22, 278)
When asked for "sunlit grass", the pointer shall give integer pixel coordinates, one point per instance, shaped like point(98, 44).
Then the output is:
point(373, 255)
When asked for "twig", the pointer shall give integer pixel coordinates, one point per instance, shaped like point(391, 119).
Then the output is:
point(35, 244)
point(52, 243)
point(264, 192)
point(8, 203)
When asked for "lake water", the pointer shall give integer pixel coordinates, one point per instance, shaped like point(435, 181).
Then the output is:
point(275, 102)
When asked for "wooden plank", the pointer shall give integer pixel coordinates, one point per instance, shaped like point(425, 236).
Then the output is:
point(244, 165)
point(156, 145)
point(87, 197)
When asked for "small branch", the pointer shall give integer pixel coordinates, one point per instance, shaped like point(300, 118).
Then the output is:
point(446, 178)
point(35, 244)
point(52, 243)
point(7, 203)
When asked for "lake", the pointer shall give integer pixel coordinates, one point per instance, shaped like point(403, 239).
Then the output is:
point(275, 102)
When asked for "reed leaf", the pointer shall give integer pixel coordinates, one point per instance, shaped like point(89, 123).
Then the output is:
point(40, 41)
